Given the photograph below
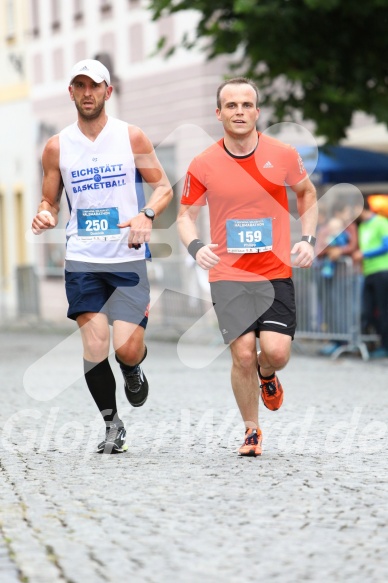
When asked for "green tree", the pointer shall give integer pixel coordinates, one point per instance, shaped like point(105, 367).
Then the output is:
point(325, 58)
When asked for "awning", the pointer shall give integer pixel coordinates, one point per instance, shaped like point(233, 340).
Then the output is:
point(340, 164)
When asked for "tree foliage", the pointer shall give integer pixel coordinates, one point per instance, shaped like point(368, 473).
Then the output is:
point(325, 58)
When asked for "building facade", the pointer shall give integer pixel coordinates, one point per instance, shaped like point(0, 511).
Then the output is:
point(16, 162)
point(172, 100)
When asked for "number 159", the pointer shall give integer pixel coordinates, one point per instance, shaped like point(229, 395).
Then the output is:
point(250, 236)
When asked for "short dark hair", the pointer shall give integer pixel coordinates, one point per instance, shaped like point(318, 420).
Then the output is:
point(238, 81)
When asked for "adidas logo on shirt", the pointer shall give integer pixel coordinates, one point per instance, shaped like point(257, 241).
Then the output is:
point(268, 165)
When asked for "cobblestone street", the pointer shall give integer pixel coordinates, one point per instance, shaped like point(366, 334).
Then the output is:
point(181, 505)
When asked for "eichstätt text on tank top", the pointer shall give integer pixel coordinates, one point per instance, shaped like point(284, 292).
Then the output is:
point(103, 188)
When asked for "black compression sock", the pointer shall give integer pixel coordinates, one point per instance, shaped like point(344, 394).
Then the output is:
point(102, 386)
point(267, 378)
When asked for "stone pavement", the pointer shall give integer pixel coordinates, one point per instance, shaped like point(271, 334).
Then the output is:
point(180, 505)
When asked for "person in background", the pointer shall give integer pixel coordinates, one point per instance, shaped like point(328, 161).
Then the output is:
point(336, 240)
point(336, 237)
point(373, 252)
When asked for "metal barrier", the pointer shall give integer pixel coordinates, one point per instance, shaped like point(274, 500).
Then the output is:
point(328, 304)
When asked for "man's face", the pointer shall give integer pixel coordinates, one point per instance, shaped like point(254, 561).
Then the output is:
point(238, 112)
point(89, 97)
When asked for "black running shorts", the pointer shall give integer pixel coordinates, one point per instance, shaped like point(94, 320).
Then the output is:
point(242, 307)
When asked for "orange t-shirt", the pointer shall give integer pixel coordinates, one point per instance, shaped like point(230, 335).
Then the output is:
point(246, 188)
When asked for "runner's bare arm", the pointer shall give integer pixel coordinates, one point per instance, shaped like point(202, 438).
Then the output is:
point(153, 174)
point(52, 186)
point(308, 212)
point(186, 221)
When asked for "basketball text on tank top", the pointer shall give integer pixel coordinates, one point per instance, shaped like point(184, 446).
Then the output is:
point(103, 188)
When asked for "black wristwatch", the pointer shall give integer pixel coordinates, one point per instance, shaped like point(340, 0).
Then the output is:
point(149, 213)
point(310, 239)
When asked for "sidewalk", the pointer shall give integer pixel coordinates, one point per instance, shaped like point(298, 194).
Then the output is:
point(180, 504)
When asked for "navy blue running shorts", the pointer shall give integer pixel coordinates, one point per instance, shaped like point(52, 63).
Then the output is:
point(119, 290)
point(242, 307)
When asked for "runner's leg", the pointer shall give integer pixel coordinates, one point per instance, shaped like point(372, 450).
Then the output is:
point(245, 382)
point(275, 350)
point(99, 377)
point(128, 342)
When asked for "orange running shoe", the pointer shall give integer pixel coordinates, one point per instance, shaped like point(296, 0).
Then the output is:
point(252, 443)
point(271, 392)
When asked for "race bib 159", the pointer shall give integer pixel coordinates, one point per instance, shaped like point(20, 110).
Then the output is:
point(249, 235)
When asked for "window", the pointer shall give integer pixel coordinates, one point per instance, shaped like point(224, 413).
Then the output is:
point(78, 10)
point(3, 244)
point(80, 51)
point(58, 68)
point(166, 30)
point(55, 15)
point(35, 17)
point(106, 7)
point(107, 44)
point(20, 239)
point(136, 43)
point(37, 69)
point(10, 19)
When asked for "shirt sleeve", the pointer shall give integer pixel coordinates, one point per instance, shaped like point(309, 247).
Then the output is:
point(383, 232)
point(378, 251)
point(193, 190)
point(296, 172)
point(384, 227)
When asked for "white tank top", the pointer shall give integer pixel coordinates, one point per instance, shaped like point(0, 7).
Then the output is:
point(103, 188)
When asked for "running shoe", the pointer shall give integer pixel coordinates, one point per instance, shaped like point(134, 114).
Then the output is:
point(136, 386)
point(329, 349)
point(378, 353)
point(252, 443)
point(114, 441)
point(271, 391)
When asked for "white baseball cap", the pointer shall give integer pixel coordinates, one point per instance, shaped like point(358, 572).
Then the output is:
point(91, 68)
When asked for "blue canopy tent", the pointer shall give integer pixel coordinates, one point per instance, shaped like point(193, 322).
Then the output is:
point(340, 164)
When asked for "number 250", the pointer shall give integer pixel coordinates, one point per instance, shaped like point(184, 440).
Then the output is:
point(96, 225)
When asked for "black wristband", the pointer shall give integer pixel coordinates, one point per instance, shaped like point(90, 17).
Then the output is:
point(194, 247)
point(310, 239)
